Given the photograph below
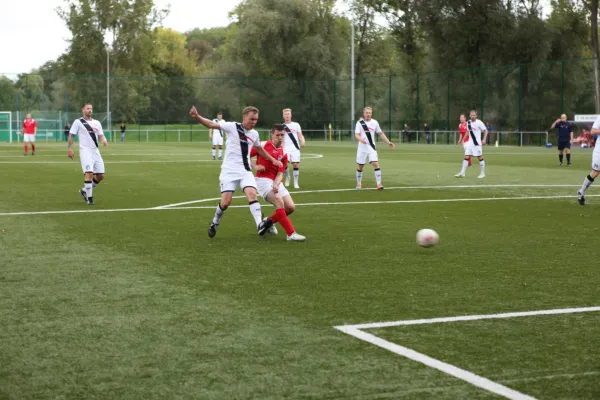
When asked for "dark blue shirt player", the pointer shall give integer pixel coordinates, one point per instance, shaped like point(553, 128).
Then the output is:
point(565, 138)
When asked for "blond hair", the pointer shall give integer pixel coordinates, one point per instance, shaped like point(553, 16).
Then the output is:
point(287, 109)
point(367, 108)
point(250, 109)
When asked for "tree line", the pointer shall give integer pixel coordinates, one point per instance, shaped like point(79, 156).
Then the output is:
point(429, 61)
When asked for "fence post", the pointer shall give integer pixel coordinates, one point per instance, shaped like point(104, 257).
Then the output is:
point(241, 97)
point(562, 86)
point(520, 96)
point(448, 101)
point(390, 106)
point(481, 90)
point(138, 111)
point(334, 104)
point(418, 101)
point(364, 92)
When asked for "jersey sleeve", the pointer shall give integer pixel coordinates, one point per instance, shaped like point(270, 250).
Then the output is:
point(35, 124)
point(256, 142)
point(570, 128)
point(253, 152)
point(100, 131)
point(378, 128)
point(596, 123)
point(358, 128)
point(227, 127)
point(75, 127)
point(299, 128)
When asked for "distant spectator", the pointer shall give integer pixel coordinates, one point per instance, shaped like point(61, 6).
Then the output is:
point(407, 133)
point(66, 131)
point(427, 133)
point(123, 131)
point(488, 126)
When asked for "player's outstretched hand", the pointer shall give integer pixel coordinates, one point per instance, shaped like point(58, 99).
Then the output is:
point(104, 142)
point(484, 143)
point(259, 167)
point(70, 154)
point(275, 188)
point(392, 145)
point(194, 112)
point(277, 163)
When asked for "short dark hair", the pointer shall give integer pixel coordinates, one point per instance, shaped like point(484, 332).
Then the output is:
point(85, 104)
point(277, 127)
point(219, 113)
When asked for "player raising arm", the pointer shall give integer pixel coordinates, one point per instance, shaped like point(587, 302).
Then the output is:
point(565, 138)
point(90, 132)
point(587, 182)
point(235, 170)
point(268, 181)
point(365, 131)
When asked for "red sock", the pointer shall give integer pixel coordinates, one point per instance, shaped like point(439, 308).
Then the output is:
point(26, 149)
point(33, 147)
point(470, 161)
point(281, 217)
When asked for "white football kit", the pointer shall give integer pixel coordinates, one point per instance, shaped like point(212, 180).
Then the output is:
point(91, 160)
point(474, 130)
point(367, 151)
point(291, 143)
point(596, 153)
point(217, 135)
point(236, 169)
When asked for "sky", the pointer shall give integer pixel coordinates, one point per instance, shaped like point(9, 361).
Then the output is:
point(32, 33)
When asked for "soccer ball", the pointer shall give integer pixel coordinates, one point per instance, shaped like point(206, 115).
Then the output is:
point(427, 238)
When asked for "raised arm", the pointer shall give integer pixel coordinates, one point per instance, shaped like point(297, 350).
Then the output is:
point(204, 121)
point(554, 124)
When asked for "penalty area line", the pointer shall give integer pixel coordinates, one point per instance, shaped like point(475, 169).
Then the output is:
point(8, 214)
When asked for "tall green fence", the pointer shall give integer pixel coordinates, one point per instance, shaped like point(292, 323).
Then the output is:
point(519, 97)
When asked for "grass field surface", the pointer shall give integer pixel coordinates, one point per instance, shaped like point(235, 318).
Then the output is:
point(130, 299)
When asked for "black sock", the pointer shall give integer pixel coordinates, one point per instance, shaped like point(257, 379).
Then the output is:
point(560, 157)
point(590, 178)
point(569, 158)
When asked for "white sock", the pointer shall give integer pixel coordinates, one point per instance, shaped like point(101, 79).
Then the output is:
point(296, 175)
point(218, 214)
point(482, 166)
point(88, 188)
point(287, 174)
point(220, 152)
point(587, 182)
point(464, 167)
point(358, 177)
point(378, 175)
point(214, 152)
point(256, 212)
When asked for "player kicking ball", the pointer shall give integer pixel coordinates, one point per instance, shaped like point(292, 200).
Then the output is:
point(270, 187)
point(587, 182)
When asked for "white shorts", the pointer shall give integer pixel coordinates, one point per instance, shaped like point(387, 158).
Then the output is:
point(217, 140)
point(91, 161)
point(361, 156)
point(265, 186)
point(596, 160)
point(29, 137)
point(294, 155)
point(475, 151)
point(230, 181)
point(465, 146)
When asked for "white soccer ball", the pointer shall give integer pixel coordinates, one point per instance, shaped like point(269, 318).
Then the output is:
point(427, 238)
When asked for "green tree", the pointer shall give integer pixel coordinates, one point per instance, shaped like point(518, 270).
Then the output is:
point(7, 94)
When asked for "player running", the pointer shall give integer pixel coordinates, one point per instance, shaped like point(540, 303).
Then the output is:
point(587, 182)
point(235, 170)
point(294, 139)
point(464, 135)
point(565, 138)
point(365, 131)
point(475, 147)
point(29, 131)
point(216, 136)
point(268, 181)
point(89, 131)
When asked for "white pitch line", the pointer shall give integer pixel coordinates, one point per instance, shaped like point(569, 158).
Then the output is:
point(309, 156)
point(449, 369)
point(6, 214)
point(389, 188)
point(108, 162)
point(556, 311)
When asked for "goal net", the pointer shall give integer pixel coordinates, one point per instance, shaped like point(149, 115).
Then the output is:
point(6, 133)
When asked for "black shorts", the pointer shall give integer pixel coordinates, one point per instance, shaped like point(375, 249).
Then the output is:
point(564, 144)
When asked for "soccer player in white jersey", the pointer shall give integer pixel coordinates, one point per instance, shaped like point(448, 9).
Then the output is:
point(90, 132)
point(475, 129)
point(216, 135)
point(236, 170)
point(365, 131)
point(587, 182)
point(294, 140)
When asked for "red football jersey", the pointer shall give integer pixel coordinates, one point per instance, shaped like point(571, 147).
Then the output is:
point(29, 126)
point(463, 131)
point(271, 170)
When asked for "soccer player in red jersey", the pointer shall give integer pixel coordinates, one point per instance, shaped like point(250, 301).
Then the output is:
point(464, 135)
point(29, 131)
point(269, 183)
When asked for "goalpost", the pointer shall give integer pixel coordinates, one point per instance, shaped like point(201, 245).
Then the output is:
point(6, 126)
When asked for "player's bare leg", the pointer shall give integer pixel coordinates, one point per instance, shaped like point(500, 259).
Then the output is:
point(375, 165)
point(296, 174)
point(587, 182)
point(288, 205)
point(287, 176)
point(359, 173)
point(220, 156)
